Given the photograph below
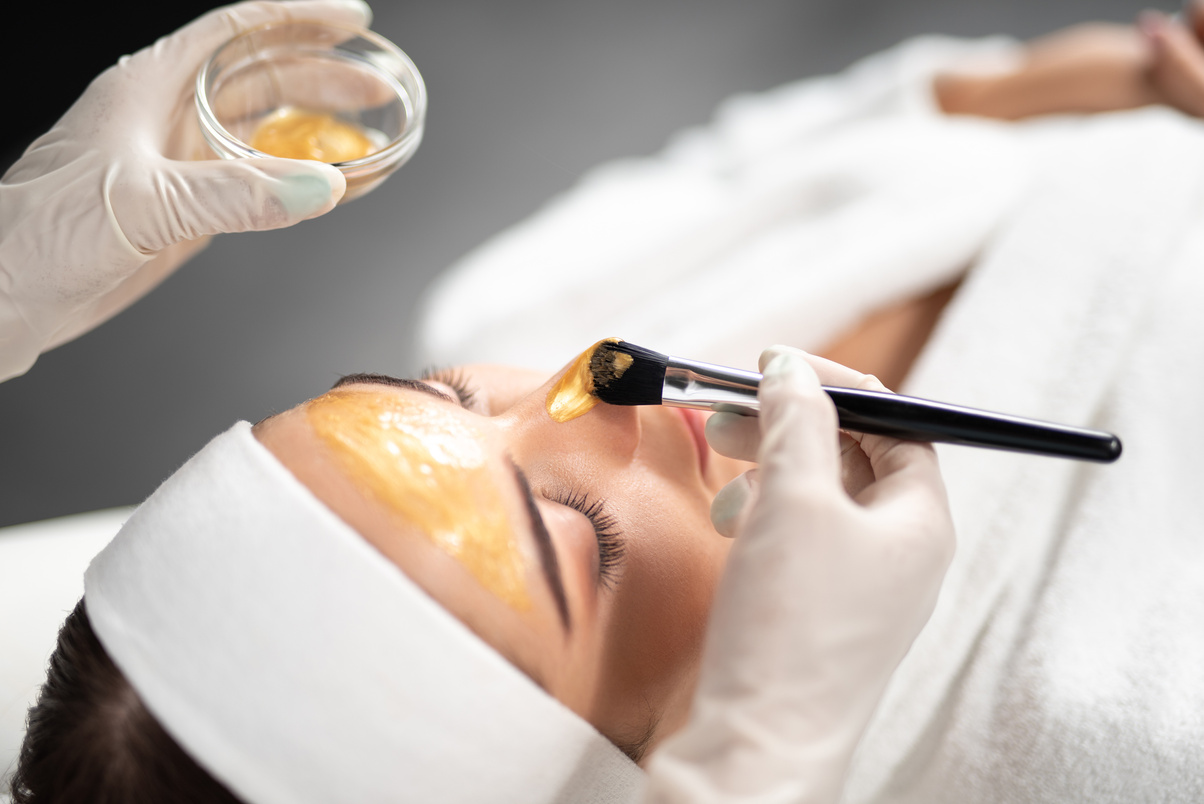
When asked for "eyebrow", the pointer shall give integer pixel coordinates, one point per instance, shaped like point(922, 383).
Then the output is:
point(396, 382)
point(548, 562)
point(547, 551)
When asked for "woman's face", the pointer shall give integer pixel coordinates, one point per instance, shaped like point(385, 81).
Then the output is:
point(582, 551)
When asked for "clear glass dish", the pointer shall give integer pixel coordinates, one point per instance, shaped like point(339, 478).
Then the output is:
point(338, 94)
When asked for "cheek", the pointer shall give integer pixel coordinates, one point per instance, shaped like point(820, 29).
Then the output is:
point(656, 626)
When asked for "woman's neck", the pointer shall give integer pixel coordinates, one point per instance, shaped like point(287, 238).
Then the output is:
point(887, 343)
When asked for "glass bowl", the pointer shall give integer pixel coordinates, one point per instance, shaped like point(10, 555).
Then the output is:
point(314, 90)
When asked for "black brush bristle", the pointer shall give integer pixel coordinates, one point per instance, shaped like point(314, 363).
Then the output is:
point(626, 374)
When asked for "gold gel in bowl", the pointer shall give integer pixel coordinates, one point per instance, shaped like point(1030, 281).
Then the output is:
point(313, 90)
point(302, 134)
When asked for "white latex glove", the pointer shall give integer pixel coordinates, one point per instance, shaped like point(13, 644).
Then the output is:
point(822, 596)
point(107, 204)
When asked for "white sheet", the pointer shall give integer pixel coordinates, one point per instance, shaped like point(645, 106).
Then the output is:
point(41, 578)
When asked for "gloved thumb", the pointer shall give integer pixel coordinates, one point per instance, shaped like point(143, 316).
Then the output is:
point(181, 201)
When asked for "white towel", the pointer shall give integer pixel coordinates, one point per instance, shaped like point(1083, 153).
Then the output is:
point(1065, 661)
point(846, 193)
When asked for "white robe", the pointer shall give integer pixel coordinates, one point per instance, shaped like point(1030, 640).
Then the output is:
point(1065, 659)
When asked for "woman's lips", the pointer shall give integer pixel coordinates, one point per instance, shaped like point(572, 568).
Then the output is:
point(696, 423)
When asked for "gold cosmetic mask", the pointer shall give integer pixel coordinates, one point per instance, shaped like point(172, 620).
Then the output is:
point(428, 467)
point(573, 393)
point(299, 134)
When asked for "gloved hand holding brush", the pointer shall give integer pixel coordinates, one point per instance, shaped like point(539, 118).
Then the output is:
point(822, 596)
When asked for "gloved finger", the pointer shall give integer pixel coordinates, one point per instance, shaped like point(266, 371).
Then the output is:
point(731, 505)
point(739, 437)
point(858, 469)
point(902, 469)
point(905, 473)
point(886, 456)
point(829, 372)
point(856, 473)
point(734, 435)
point(173, 61)
point(188, 200)
point(798, 426)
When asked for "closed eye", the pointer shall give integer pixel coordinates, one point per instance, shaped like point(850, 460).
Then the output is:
point(455, 379)
point(612, 545)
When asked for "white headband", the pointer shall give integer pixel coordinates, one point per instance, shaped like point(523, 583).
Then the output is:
point(296, 664)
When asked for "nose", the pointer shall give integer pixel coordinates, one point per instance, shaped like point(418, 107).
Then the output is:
point(612, 428)
point(607, 434)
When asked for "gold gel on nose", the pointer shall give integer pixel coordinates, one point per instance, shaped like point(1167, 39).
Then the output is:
point(429, 468)
point(573, 393)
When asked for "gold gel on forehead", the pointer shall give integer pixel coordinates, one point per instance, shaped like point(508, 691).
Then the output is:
point(428, 467)
point(573, 393)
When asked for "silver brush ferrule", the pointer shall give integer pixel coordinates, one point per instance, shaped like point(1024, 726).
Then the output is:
point(706, 386)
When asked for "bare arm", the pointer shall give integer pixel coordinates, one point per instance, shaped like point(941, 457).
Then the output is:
point(1091, 68)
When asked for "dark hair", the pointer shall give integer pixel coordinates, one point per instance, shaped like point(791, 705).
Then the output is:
point(91, 739)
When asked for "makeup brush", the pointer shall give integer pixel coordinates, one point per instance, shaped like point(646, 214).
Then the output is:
point(626, 374)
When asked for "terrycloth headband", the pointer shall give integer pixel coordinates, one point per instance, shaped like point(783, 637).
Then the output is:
point(297, 665)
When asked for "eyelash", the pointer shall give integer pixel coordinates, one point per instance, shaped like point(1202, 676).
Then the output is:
point(611, 547)
point(455, 379)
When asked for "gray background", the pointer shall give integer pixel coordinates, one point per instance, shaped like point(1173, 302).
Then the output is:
point(524, 95)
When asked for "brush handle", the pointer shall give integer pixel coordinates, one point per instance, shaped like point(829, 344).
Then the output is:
point(706, 386)
point(916, 419)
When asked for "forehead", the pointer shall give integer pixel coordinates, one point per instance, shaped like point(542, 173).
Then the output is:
point(410, 472)
point(404, 424)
